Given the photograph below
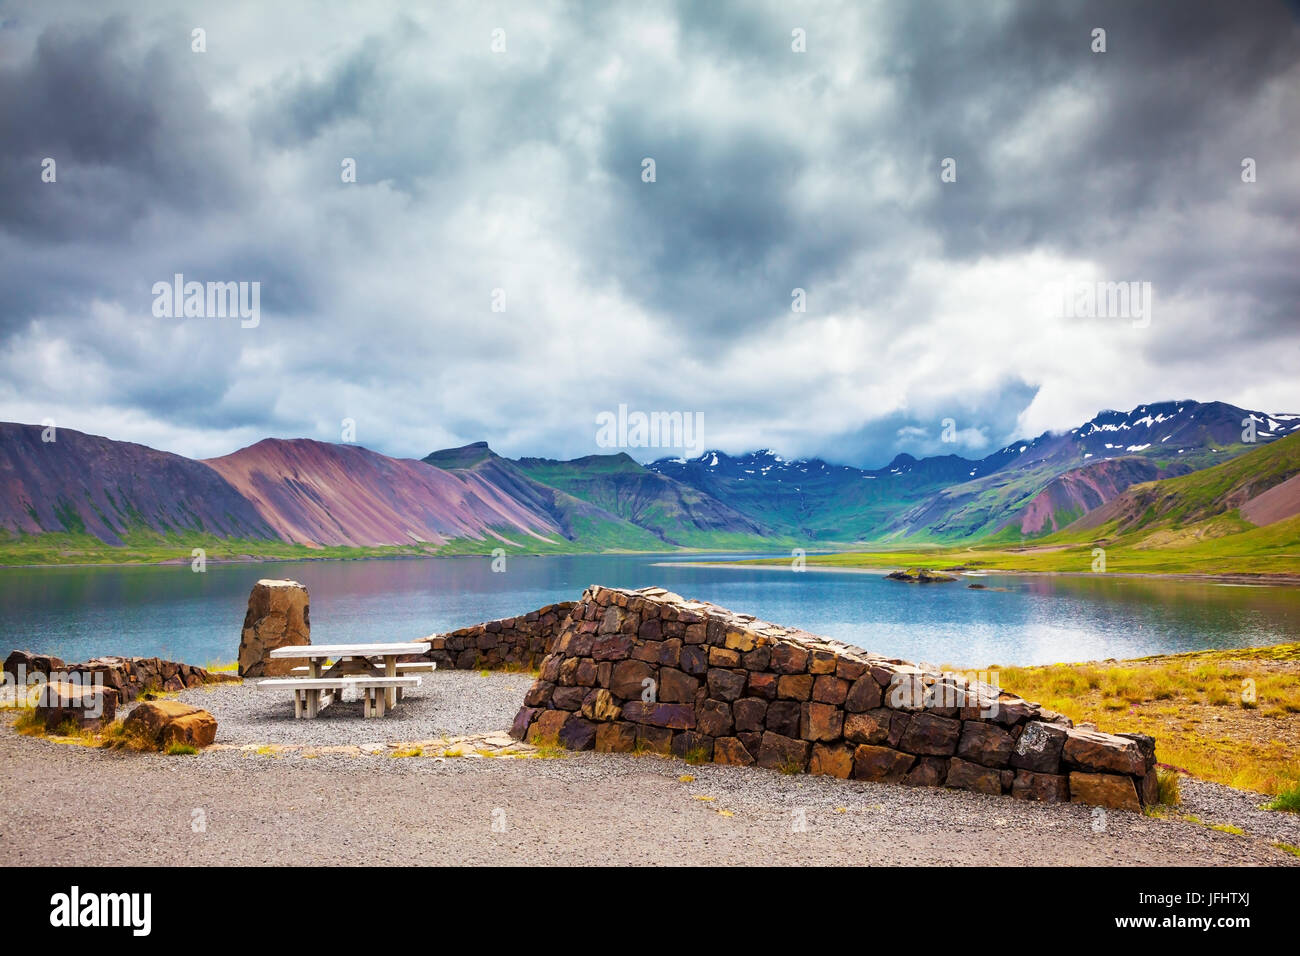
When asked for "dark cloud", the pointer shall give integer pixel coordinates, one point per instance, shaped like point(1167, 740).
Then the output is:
point(522, 171)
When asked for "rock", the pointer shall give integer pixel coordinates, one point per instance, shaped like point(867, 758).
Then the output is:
point(21, 665)
point(545, 730)
point(619, 738)
point(84, 704)
point(820, 722)
point(794, 686)
point(783, 717)
point(539, 695)
point(1146, 745)
point(628, 678)
point(931, 735)
point(881, 764)
point(985, 743)
point(278, 616)
point(731, 751)
point(1039, 748)
point(674, 716)
point(928, 772)
point(714, 718)
point(599, 705)
point(965, 775)
point(920, 576)
point(1104, 790)
point(828, 689)
point(1103, 753)
point(676, 686)
point(1040, 787)
point(655, 740)
point(763, 685)
point(568, 698)
point(726, 685)
point(578, 734)
point(165, 722)
point(788, 659)
point(749, 713)
point(869, 728)
point(778, 752)
point(1149, 788)
point(832, 760)
point(612, 647)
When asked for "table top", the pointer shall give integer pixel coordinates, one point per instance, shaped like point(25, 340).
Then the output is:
point(349, 650)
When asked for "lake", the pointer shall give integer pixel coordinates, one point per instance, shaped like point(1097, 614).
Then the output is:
point(173, 612)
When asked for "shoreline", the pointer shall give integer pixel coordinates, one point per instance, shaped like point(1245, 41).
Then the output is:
point(1232, 580)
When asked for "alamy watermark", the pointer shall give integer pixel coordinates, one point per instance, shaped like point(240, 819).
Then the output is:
point(1072, 299)
point(47, 690)
point(624, 429)
point(208, 300)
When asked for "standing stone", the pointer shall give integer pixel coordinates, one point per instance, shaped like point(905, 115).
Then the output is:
point(278, 616)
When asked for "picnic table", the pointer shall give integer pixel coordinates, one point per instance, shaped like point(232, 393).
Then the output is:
point(356, 664)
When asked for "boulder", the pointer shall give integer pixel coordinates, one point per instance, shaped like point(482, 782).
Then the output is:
point(1040, 787)
point(965, 775)
point(277, 616)
point(1039, 748)
point(30, 664)
point(881, 764)
point(1104, 790)
point(985, 743)
point(165, 722)
point(1104, 753)
point(86, 705)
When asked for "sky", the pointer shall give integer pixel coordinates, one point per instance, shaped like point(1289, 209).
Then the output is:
point(933, 176)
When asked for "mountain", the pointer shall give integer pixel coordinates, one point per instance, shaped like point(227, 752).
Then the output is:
point(1181, 463)
point(674, 512)
point(85, 484)
point(607, 499)
point(811, 499)
point(316, 493)
point(1256, 489)
point(576, 519)
point(1019, 490)
point(1078, 492)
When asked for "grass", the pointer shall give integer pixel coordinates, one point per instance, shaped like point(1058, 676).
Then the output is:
point(178, 749)
point(1192, 705)
point(407, 752)
point(1288, 848)
point(697, 755)
point(1287, 800)
point(1167, 789)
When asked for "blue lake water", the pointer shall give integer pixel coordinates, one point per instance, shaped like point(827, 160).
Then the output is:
point(77, 613)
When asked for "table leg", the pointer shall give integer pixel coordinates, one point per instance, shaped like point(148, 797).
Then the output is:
point(313, 704)
point(390, 670)
point(297, 705)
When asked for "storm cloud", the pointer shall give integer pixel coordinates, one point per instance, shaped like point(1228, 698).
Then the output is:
point(499, 153)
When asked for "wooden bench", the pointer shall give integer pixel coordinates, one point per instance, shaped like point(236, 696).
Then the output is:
point(307, 691)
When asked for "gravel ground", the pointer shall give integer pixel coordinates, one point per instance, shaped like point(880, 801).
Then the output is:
point(452, 702)
point(57, 802)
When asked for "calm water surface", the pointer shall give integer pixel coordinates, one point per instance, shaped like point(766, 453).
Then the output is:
point(77, 613)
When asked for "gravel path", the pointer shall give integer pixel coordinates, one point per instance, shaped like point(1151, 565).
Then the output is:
point(458, 702)
point(59, 803)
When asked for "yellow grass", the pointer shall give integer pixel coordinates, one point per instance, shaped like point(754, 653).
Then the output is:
point(1198, 706)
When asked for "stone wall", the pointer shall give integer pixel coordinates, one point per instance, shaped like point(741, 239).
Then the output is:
point(128, 676)
point(519, 642)
point(648, 670)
